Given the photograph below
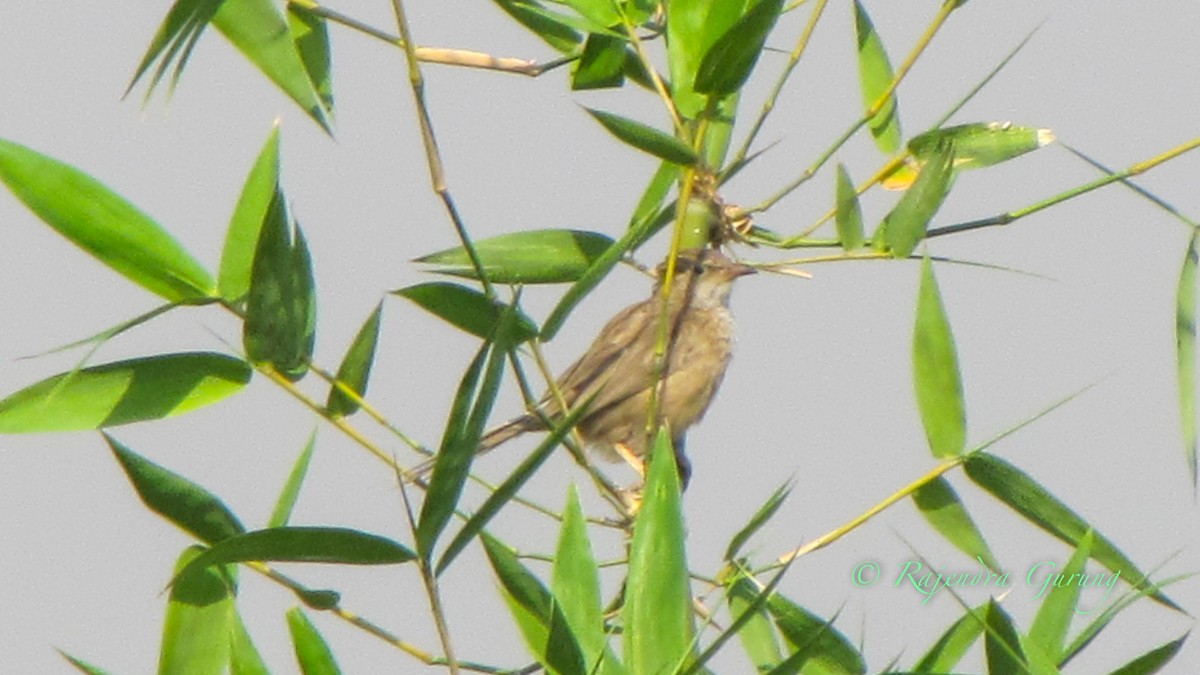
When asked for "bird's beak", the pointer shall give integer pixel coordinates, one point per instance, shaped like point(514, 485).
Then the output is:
point(739, 270)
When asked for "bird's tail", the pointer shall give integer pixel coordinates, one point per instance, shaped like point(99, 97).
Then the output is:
point(493, 437)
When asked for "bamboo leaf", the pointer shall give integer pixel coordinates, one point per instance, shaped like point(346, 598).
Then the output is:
point(980, 144)
point(175, 39)
point(104, 224)
point(1022, 494)
point(646, 138)
point(949, 649)
point(282, 512)
point(539, 616)
point(817, 643)
point(1154, 660)
point(875, 76)
point(281, 306)
point(1002, 644)
point(727, 64)
point(1053, 620)
point(936, 375)
point(657, 614)
point(557, 30)
point(466, 309)
point(848, 215)
point(244, 658)
point(602, 64)
point(312, 652)
point(310, 35)
point(176, 498)
point(81, 665)
point(760, 518)
point(355, 370)
point(241, 239)
point(123, 392)
point(198, 627)
point(527, 257)
point(904, 227)
point(940, 505)
point(1185, 349)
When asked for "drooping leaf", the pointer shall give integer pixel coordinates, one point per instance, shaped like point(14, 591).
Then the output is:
point(104, 224)
point(1002, 644)
point(904, 227)
point(312, 652)
point(466, 309)
point(198, 628)
point(1025, 496)
point(875, 76)
point(1185, 349)
point(940, 505)
point(123, 392)
point(848, 215)
point(310, 35)
point(557, 30)
point(176, 498)
point(282, 512)
point(646, 138)
point(330, 545)
point(817, 639)
point(758, 635)
point(258, 30)
point(539, 616)
point(241, 239)
point(174, 41)
point(602, 64)
point(657, 614)
point(355, 370)
point(728, 62)
point(1154, 660)
point(281, 306)
point(602, 13)
point(527, 257)
point(936, 375)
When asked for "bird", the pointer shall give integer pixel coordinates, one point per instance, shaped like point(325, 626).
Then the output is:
point(615, 376)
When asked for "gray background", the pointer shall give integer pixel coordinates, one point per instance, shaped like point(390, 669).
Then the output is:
point(820, 388)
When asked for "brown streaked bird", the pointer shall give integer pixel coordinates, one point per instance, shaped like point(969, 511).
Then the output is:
point(617, 371)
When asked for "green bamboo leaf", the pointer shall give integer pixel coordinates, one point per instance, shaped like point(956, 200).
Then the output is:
point(281, 306)
point(1154, 660)
point(244, 658)
point(330, 545)
point(104, 224)
point(312, 652)
point(575, 584)
point(1002, 644)
point(657, 614)
point(1059, 604)
point(257, 29)
point(468, 415)
point(1022, 494)
point(123, 392)
point(757, 635)
point(875, 76)
point(727, 64)
point(282, 512)
point(467, 309)
point(1106, 617)
point(686, 44)
point(176, 498)
point(539, 616)
point(355, 370)
point(602, 13)
point(310, 35)
point(557, 30)
point(241, 239)
point(646, 138)
point(904, 227)
point(760, 518)
point(177, 36)
point(81, 665)
point(509, 488)
point(944, 655)
point(936, 375)
point(198, 627)
point(527, 257)
point(941, 506)
point(817, 643)
point(1185, 349)
point(980, 144)
point(848, 215)
point(602, 64)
